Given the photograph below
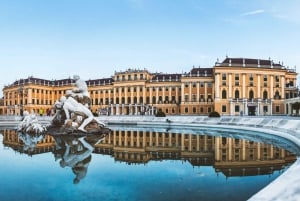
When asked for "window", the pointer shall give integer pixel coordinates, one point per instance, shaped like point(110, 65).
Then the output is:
point(237, 108)
point(277, 108)
point(223, 108)
point(224, 76)
point(236, 94)
point(194, 110)
point(129, 77)
point(277, 96)
point(186, 109)
point(224, 94)
point(265, 108)
point(186, 98)
point(251, 94)
point(251, 77)
point(265, 78)
point(265, 95)
point(237, 77)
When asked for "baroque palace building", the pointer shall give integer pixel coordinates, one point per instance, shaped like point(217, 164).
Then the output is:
point(236, 86)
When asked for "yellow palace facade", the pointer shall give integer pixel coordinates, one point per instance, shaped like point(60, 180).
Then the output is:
point(236, 86)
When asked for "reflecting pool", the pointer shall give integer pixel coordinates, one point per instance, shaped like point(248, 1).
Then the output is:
point(134, 163)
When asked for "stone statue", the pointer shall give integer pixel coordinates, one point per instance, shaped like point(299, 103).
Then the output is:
point(30, 124)
point(72, 115)
point(70, 105)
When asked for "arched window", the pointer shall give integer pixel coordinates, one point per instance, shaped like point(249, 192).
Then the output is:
point(265, 95)
point(224, 94)
point(277, 95)
point(236, 94)
point(154, 99)
point(251, 94)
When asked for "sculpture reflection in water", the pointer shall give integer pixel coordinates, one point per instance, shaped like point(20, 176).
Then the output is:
point(75, 152)
point(30, 141)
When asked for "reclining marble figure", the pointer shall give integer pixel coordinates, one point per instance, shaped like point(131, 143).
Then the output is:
point(70, 105)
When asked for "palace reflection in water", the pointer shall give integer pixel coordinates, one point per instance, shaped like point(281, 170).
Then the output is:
point(232, 157)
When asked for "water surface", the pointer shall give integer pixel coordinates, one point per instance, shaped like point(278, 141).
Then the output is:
point(140, 164)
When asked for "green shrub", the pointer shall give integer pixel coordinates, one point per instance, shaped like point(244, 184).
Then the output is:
point(214, 114)
point(160, 114)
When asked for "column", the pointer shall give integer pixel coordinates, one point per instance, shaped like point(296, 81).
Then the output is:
point(156, 94)
point(271, 106)
point(125, 91)
point(135, 108)
point(117, 109)
point(138, 94)
point(258, 151)
point(114, 96)
point(243, 150)
point(244, 85)
point(229, 149)
point(131, 95)
point(190, 92)
point(182, 92)
point(198, 142)
point(258, 85)
point(282, 87)
point(217, 85)
point(144, 95)
point(163, 93)
point(230, 85)
point(111, 109)
point(176, 95)
point(205, 92)
point(126, 138)
point(182, 142)
point(190, 142)
point(231, 108)
point(217, 148)
point(246, 107)
point(150, 95)
point(198, 92)
point(271, 87)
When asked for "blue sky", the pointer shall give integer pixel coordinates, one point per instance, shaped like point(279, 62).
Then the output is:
point(55, 39)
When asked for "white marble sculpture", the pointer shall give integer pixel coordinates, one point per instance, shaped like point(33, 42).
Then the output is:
point(30, 124)
point(72, 110)
point(70, 105)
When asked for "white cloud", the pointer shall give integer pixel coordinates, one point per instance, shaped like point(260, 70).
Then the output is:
point(255, 12)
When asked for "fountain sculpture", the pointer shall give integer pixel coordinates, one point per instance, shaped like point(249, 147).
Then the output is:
point(72, 116)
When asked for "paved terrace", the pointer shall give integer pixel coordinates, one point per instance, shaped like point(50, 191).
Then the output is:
point(285, 187)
